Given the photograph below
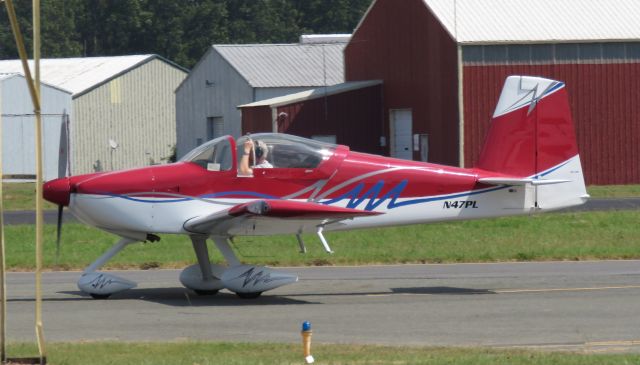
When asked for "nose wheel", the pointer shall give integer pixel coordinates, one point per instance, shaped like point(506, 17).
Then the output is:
point(102, 285)
point(204, 293)
point(249, 295)
point(100, 296)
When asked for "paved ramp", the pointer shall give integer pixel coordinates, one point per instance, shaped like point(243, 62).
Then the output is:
point(587, 305)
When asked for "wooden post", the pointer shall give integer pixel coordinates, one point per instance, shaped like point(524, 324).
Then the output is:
point(39, 201)
point(3, 290)
point(35, 97)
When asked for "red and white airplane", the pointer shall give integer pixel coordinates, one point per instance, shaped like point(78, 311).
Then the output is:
point(529, 163)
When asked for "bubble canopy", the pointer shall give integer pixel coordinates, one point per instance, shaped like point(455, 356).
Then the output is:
point(287, 151)
point(215, 155)
point(284, 151)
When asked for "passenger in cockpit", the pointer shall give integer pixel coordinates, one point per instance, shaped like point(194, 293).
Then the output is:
point(261, 152)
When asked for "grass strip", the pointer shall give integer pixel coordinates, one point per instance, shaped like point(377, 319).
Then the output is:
point(613, 191)
point(204, 353)
point(21, 196)
point(555, 236)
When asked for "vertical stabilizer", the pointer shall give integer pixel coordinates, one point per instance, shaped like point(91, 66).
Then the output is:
point(532, 136)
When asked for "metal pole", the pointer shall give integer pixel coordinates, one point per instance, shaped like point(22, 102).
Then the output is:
point(39, 202)
point(3, 290)
point(35, 97)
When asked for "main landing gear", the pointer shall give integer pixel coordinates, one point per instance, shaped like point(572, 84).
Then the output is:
point(247, 281)
point(204, 278)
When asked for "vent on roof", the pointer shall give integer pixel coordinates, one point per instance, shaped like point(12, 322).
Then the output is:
point(324, 38)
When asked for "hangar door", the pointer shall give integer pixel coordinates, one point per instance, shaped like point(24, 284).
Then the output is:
point(401, 134)
point(18, 145)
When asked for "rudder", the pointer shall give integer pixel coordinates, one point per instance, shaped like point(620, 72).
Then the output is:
point(532, 136)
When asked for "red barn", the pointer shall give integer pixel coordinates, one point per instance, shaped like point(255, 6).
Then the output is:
point(445, 62)
point(442, 64)
point(322, 114)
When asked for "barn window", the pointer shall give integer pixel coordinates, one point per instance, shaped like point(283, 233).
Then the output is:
point(566, 52)
point(495, 54)
point(519, 53)
point(633, 51)
point(472, 54)
point(613, 51)
point(590, 51)
point(541, 52)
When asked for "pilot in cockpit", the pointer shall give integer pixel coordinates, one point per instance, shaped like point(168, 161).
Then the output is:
point(261, 152)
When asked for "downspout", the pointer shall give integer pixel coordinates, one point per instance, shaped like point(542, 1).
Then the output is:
point(274, 119)
point(460, 108)
point(456, 39)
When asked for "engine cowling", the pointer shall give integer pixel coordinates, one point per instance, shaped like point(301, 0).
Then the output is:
point(255, 279)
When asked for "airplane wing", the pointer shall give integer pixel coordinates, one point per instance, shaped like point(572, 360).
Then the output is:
point(270, 216)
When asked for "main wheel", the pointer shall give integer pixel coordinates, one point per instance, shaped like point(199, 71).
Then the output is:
point(249, 295)
point(100, 296)
point(205, 292)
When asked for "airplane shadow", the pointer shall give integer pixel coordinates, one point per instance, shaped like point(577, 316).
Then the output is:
point(436, 290)
point(446, 290)
point(181, 297)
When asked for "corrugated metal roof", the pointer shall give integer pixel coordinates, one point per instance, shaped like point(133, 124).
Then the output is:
point(286, 65)
point(518, 21)
point(313, 93)
point(6, 75)
point(78, 74)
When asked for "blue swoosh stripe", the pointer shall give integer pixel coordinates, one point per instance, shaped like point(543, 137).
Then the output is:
point(206, 196)
point(437, 198)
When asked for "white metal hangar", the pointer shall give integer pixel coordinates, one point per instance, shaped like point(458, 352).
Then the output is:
point(18, 128)
point(231, 75)
point(122, 113)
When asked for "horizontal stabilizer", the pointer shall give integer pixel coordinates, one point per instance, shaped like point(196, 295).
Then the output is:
point(517, 181)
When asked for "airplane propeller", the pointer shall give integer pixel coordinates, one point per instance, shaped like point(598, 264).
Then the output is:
point(58, 191)
point(59, 231)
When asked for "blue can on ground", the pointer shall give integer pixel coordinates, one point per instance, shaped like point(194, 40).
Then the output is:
point(306, 326)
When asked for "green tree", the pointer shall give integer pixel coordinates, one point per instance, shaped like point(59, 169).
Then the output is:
point(180, 30)
point(205, 22)
point(58, 28)
point(111, 27)
point(162, 30)
point(7, 41)
point(263, 21)
point(331, 16)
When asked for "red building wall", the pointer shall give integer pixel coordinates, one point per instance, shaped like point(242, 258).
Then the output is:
point(354, 117)
point(603, 99)
point(402, 43)
point(256, 119)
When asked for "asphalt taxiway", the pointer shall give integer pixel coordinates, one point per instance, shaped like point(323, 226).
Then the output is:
point(587, 305)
